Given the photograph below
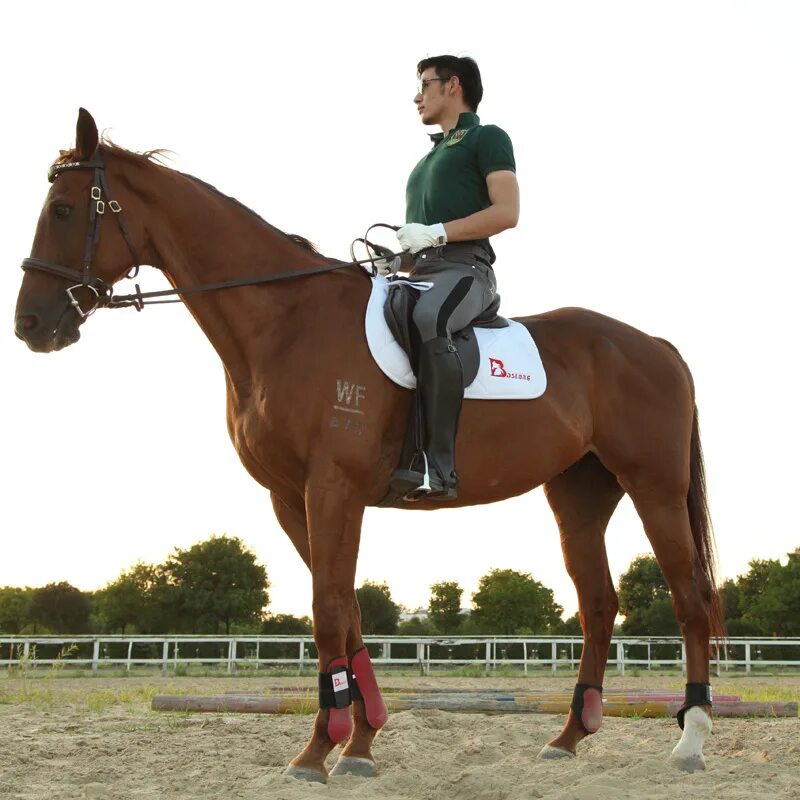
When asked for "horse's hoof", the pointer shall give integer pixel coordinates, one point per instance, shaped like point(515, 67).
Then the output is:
point(548, 752)
point(306, 774)
point(689, 762)
point(351, 765)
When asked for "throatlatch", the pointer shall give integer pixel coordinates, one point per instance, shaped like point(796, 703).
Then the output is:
point(697, 694)
point(587, 704)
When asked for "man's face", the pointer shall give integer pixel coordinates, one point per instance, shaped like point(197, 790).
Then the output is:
point(432, 96)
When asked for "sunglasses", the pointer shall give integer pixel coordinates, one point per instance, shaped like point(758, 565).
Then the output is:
point(421, 86)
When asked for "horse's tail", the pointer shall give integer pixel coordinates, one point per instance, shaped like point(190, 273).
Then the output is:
point(702, 531)
point(700, 518)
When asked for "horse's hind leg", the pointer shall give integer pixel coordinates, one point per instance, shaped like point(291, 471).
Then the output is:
point(583, 499)
point(666, 521)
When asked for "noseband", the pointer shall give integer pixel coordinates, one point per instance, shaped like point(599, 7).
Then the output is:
point(101, 290)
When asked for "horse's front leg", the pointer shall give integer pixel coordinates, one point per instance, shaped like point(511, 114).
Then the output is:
point(369, 712)
point(333, 517)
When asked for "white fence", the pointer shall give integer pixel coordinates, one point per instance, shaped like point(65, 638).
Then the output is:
point(422, 652)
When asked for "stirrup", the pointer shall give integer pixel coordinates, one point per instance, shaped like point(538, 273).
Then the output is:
point(431, 487)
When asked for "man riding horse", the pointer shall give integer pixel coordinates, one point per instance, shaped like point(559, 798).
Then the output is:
point(461, 193)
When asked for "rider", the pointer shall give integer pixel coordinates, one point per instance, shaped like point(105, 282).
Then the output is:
point(461, 193)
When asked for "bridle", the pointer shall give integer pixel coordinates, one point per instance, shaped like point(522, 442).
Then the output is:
point(104, 292)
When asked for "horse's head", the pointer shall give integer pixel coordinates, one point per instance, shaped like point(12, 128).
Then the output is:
point(74, 259)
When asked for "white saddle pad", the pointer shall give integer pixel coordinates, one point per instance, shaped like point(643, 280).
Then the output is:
point(510, 365)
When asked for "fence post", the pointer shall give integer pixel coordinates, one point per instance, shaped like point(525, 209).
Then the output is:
point(554, 656)
point(525, 657)
point(232, 657)
point(683, 658)
point(95, 656)
point(164, 657)
point(488, 668)
point(621, 658)
point(747, 662)
point(302, 656)
point(128, 664)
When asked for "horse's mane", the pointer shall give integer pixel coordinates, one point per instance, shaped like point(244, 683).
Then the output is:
point(158, 156)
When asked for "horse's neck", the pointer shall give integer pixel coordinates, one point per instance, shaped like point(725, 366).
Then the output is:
point(199, 237)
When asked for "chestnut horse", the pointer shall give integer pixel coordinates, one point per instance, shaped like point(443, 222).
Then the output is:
point(618, 416)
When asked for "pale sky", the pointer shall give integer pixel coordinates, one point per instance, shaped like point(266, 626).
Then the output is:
point(659, 166)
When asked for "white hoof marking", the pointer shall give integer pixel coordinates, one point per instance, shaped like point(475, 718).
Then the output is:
point(688, 753)
point(548, 752)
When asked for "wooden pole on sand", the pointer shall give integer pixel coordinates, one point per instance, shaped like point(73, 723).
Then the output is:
point(464, 703)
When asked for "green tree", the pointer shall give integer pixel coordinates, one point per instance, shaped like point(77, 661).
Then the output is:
point(136, 600)
point(444, 608)
point(754, 583)
point(416, 627)
point(509, 602)
point(569, 627)
point(645, 601)
point(379, 613)
point(14, 609)
point(217, 583)
point(777, 606)
point(733, 607)
point(285, 625)
point(755, 612)
point(60, 608)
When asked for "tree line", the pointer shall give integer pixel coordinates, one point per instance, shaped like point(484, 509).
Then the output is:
point(217, 586)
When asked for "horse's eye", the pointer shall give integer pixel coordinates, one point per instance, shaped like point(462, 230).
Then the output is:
point(63, 211)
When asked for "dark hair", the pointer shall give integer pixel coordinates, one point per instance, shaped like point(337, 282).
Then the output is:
point(465, 69)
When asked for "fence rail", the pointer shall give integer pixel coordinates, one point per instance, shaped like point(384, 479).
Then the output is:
point(423, 652)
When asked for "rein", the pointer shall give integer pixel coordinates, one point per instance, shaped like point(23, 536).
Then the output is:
point(104, 292)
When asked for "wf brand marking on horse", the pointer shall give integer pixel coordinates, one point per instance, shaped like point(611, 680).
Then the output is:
point(351, 395)
point(498, 370)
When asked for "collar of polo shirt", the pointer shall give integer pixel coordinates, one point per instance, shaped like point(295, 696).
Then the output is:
point(466, 119)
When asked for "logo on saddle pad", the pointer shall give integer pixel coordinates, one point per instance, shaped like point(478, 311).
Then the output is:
point(498, 370)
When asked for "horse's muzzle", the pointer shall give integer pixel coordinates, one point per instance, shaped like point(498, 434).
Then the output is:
point(42, 337)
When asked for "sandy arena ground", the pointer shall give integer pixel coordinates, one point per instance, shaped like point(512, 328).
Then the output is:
point(97, 738)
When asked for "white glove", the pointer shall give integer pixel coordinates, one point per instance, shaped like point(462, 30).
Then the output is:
point(387, 266)
point(416, 237)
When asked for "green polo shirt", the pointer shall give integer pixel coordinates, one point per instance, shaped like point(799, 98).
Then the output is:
point(450, 181)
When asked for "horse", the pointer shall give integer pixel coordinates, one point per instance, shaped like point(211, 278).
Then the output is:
point(618, 416)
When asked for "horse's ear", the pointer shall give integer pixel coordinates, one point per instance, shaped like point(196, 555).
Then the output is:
point(85, 136)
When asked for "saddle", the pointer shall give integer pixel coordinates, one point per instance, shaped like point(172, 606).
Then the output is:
point(398, 311)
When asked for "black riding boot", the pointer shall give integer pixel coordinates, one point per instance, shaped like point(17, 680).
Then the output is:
point(441, 391)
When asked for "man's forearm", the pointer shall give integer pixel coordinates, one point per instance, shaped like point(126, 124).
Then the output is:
point(482, 224)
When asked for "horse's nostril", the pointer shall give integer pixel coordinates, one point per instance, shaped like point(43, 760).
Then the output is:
point(26, 323)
